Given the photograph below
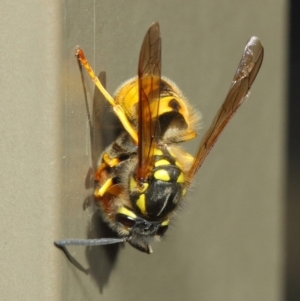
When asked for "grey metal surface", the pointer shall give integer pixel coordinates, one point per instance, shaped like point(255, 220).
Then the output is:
point(31, 149)
point(226, 242)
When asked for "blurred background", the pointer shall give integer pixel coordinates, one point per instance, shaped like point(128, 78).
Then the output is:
point(236, 235)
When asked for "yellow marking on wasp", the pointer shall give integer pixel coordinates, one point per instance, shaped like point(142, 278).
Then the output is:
point(144, 187)
point(129, 94)
point(164, 106)
point(162, 162)
point(101, 191)
point(165, 223)
point(180, 178)
point(183, 192)
point(141, 203)
point(127, 212)
point(162, 175)
point(158, 152)
point(110, 162)
point(132, 184)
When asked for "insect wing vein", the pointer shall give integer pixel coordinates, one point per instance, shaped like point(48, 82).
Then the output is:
point(149, 76)
point(238, 92)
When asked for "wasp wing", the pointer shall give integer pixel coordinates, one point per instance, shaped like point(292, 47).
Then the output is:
point(238, 92)
point(149, 77)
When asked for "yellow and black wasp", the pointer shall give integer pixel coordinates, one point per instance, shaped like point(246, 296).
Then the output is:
point(143, 176)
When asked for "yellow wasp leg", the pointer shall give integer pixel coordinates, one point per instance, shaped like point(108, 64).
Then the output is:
point(117, 108)
point(101, 191)
point(108, 162)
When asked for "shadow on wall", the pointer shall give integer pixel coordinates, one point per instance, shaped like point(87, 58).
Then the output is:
point(104, 129)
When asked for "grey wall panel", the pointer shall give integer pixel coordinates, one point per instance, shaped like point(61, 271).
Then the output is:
point(31, 149)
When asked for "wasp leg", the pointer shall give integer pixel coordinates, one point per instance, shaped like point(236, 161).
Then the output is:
point(110, 186)
point(117, 108)
point(111, 162)
point(101, 191)
point(108, 162)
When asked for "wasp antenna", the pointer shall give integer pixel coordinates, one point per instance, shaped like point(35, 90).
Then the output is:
point(88, 242)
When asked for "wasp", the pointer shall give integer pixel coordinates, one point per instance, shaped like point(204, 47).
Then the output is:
point(143, 176)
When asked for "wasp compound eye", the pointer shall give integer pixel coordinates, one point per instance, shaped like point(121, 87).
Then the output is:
point(125, 220)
